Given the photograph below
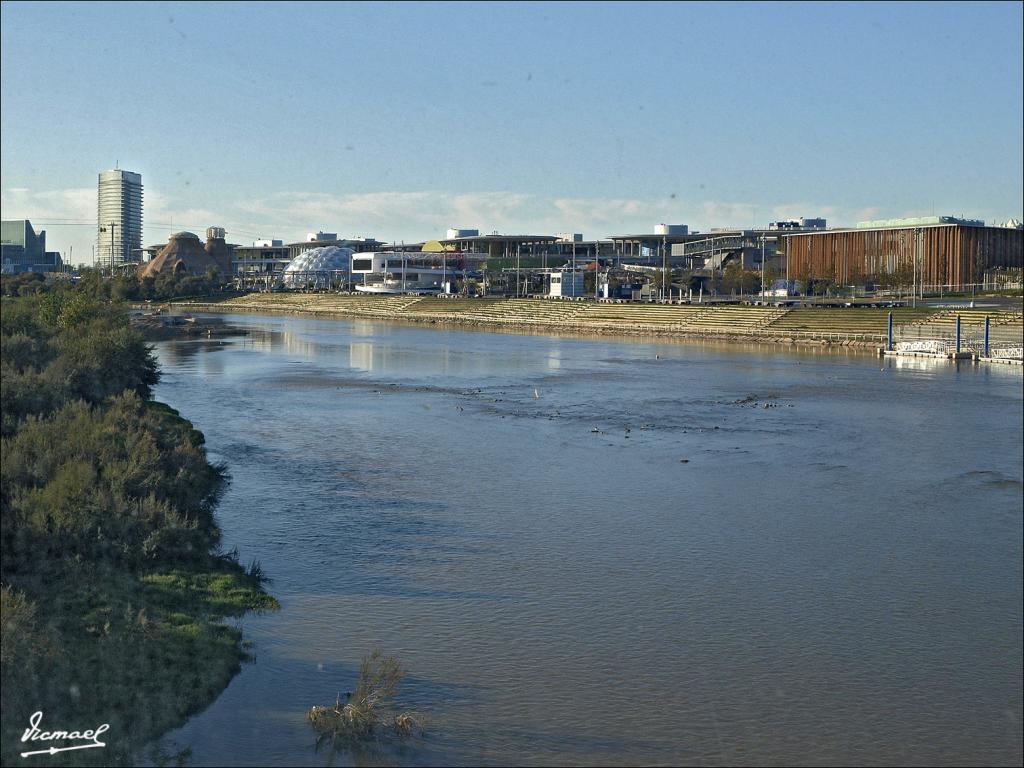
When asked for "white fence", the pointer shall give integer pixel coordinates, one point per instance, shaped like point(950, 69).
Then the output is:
point(1005, 342)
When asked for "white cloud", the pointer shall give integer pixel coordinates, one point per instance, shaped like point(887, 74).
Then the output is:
point(424, 215)
point(161, 219)
point(77, 204)
point(69, 215)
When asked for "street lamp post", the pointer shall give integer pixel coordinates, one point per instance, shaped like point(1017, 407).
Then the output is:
point(113, 226)
point(573, 283)
point(762, 266)
point(519, 275)
point(913, 279)
point(664, 267)
point(918, 266)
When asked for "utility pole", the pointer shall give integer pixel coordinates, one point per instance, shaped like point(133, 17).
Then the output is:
point(113, 226)
point(573, 283)
point(664, 268)
point(762, 266)
point(921, 232)
point(519, 274)
point(913, 279)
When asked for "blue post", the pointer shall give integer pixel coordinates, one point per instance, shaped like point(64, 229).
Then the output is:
point(958, 334)
point(888, 343)
point(986, 336)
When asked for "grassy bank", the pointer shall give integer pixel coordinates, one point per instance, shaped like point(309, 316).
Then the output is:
point(115, 589)
point(87, 643)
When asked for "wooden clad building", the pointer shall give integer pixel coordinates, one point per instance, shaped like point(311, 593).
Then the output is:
point(953, 254)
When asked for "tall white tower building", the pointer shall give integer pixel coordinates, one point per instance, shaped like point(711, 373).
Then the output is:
point(119, 220)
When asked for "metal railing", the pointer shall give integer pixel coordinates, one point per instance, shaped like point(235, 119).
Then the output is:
point(1000, 341)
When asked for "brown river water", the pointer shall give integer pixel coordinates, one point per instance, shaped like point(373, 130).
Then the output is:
point(594, 551)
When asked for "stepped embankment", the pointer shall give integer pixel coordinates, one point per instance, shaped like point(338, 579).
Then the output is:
point(840, 326)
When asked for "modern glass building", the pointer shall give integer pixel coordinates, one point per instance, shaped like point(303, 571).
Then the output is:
point(119, 219)
point(24, 249)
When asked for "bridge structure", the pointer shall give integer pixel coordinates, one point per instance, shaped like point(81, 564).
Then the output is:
point(715, 250)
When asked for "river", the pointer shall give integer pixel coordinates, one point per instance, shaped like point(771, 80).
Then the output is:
point(599, 551)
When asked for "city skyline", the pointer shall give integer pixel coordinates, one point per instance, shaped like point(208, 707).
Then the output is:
point(397, 122)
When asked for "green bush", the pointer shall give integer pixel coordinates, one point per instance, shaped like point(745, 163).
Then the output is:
point(114, 584)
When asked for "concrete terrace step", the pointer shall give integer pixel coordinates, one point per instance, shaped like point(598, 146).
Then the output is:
point(447, 306)
point(852, 321)
point(948, 317)
point(336, 303)
point(972, 321)
point(743, 320)
point(527, 311)
point(732, 319)
point(640, 313)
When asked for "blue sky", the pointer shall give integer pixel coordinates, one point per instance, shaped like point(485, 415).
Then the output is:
point(398, 120)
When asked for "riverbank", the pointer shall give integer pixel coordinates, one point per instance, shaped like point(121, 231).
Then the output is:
point(88, 643)
point(864, 327)
point(115, 588)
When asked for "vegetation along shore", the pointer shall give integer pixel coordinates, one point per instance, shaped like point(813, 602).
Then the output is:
point(114, 583)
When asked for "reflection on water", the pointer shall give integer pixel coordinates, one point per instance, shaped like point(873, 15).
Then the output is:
point(280, 341)
point(590, 551)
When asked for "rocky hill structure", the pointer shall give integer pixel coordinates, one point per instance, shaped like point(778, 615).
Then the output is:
point(186, 253)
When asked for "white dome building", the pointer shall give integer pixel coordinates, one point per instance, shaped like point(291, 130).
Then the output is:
point(318, 268)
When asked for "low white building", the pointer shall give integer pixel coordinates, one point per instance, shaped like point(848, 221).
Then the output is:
point(402, 272)
point(562, 284)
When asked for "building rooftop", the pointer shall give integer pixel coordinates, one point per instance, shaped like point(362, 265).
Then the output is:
point(502, 239)
point(920, 221)
point(655, 236)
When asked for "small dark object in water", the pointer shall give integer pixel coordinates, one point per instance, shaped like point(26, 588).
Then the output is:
point(684, 461)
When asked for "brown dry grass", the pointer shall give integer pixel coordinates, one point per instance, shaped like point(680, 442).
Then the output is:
point(369, 711)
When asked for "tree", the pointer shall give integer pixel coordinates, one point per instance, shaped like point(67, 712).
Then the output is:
point(903, 276)
point(803, 276)
point(22, 284)
point(732, 277)
point(856, 273)
point(883, 277)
